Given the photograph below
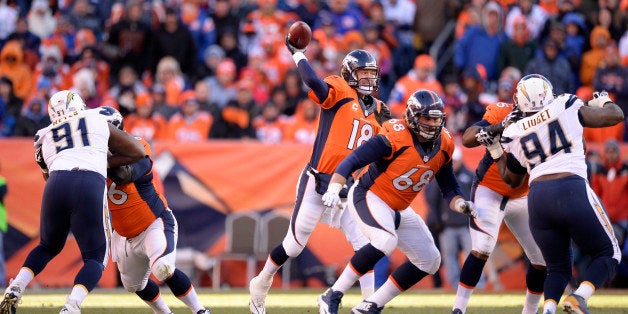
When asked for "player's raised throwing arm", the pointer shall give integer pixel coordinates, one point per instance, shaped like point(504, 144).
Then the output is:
point(308, 75)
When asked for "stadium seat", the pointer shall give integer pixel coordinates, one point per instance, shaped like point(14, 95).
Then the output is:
point(273, 229)
point(242, 243)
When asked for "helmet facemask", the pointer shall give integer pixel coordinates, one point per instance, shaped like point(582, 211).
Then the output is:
point(432, 107)
point(354, 61)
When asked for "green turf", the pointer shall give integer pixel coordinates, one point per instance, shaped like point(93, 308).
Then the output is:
point(304, 301)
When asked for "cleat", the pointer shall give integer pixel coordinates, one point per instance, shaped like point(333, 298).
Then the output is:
point(204, 311)
point(366, 307)
point(457, 311)
point(70, 307)
point(258, 288)
point(12, 296)
point(329, 301)
point(575, 304)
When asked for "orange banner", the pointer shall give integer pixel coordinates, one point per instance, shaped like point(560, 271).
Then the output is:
point(203, 182)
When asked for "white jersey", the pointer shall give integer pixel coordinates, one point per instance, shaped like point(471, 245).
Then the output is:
point(81, 142)
point(550, 141)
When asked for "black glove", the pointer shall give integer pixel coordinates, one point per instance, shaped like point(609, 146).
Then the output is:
point(121, 175)
point(495, 129)
point(291, 48)
point(515, 115)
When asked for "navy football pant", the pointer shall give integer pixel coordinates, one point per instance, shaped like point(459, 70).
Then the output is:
point(567, 209)
point(73, 201)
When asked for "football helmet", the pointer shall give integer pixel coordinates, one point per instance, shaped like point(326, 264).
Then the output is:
point(112, 116)
point(425, 103)
point(360, 59)
point(533, 93)
point(64, 105)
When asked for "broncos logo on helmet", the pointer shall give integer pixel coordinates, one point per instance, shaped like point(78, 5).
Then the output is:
point(425, 103)
point(354, 61)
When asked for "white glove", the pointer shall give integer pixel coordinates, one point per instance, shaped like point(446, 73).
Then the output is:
point(599, 99)
point(495, 149)
point(331, 197)
point(483, 137)
point(332, 215)
point(465, 207)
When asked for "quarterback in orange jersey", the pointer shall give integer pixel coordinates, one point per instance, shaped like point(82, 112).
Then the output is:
point(144, 238)
point(350, 116)
point(402, 160)
point(496, 201)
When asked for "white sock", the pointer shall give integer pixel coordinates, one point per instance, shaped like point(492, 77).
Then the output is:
point(385, 293)
point(23, 278)
point(158, 305)
point(585, 290)
point(346, 279)
point(79, 292)
point(463, 295)
point(531, 304)
point(550, 306)
point(270, 267)
point(367, 284)
point(191, 300)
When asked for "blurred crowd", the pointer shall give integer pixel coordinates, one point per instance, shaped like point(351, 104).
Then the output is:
point(189, 70)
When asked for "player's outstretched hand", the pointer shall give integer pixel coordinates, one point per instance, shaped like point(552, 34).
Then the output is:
point(291, 48)
point(515, 115)
point(485, 138)
point(466, 207)
point(332, 197)
point(599, 99)
point(121, 175)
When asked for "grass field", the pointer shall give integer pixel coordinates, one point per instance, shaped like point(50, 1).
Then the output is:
point(304, 301)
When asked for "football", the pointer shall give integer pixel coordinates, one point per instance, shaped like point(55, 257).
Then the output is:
point(299, 35)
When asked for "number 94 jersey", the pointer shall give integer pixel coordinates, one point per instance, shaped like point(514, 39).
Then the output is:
point(398, 178)
point(550, 141)
point(80, 142)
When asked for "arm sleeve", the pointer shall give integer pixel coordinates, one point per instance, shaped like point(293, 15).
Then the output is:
point(374, 149)
point(142, 167)
point(482, 123)
point(447, 182)
point(513, 165)
point(318, 86)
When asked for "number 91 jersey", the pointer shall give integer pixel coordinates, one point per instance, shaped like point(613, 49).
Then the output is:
point(398, 178)
point(550, 141)
point(81, 142)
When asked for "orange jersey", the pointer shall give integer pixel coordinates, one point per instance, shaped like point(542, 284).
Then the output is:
point(134, 206)
point(487, 173)
point(343, 125)
point(190, 130)
point(151, 128)
point(401, 176)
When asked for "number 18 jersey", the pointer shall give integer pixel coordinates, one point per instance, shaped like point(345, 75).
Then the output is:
point(81, 142)
point(549, 141)
point(343, 125)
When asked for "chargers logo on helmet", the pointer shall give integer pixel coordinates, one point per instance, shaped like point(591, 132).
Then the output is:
point(64, 105)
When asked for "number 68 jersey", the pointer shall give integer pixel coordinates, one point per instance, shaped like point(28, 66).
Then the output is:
point(549, 141)
point(399, 177)
point(81, 142)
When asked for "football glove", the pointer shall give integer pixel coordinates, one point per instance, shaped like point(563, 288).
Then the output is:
point(332, 197)
point(599, 99)
point(39, 158)
point(121, 175)
point(495, 129)
point(291, 48)
point(332, 215)
point(484, 137)
point(515, 115)
point(465, 207)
